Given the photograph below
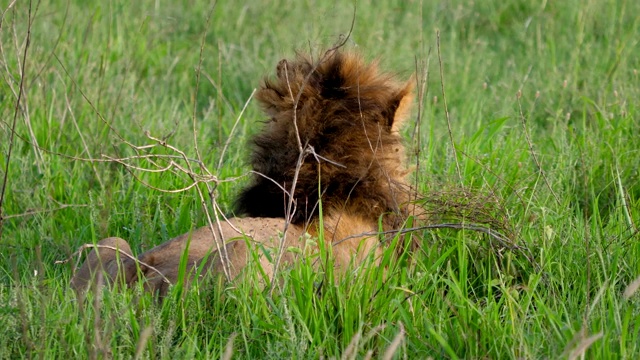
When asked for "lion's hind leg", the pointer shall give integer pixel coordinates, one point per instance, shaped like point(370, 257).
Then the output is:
point(111, 261)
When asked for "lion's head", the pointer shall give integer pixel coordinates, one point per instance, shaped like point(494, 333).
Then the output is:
point(344, 115)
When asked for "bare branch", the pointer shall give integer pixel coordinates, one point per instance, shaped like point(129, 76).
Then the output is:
point(233, 129)
point(15, 118)
point(43, 211)
point(93, 107)
point(222, 250)
point(446, 111)
point(84, 143)
point(290, 208)
point(532, 151)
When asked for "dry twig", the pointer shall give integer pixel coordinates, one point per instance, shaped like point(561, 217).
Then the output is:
point(532, 151)
point(15, 114)
point(304, 151)
point(446, 110)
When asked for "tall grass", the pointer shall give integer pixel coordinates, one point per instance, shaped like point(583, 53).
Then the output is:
point(542, 99)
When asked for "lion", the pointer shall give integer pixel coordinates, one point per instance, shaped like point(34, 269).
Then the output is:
point(329, 163)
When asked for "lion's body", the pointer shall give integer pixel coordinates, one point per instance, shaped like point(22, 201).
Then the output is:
point(343, 116)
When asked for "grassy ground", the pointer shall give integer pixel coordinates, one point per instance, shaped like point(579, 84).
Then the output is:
point(543, 101)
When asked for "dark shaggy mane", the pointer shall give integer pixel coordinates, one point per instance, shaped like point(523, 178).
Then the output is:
point(345, 115)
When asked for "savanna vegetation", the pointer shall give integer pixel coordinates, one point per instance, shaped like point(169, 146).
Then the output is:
point(526, 122)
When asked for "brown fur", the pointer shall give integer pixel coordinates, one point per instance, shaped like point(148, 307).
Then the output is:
point(349, 114)
point(345, 115)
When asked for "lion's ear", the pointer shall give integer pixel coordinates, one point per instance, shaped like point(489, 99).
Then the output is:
point(402, 103)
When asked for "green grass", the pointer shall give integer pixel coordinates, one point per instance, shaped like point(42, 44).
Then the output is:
point(98, 73)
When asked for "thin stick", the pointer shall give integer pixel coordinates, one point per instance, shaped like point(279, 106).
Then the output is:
point(34, 212)
point(25, 103)
point(497, 236)
point(222, 250)
point(219, 91)
point(531, 150)
point(122, 160)
point(84, 143)
point(15, 119)
point(290, 209)
point(195, 96)
point(233, 129)
point(422, 81)
point(446, 111)
point(587, 248)
point(91, 105)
